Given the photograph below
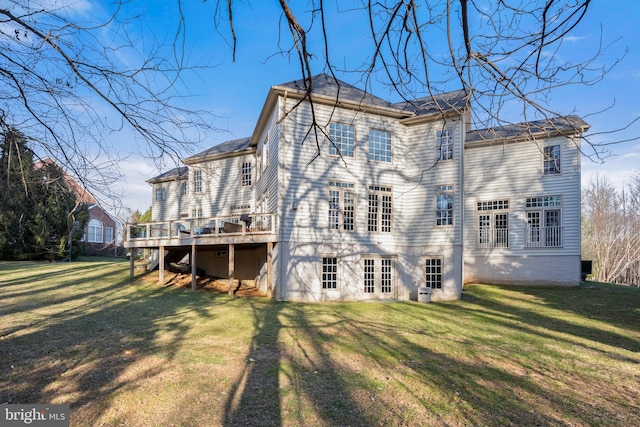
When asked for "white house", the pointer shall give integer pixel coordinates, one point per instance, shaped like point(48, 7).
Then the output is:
point(340, 195)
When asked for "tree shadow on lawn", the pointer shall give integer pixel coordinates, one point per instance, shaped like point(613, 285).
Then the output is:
point(617, 307)
point(314, 390)
point(77, 354)
point(328, 365)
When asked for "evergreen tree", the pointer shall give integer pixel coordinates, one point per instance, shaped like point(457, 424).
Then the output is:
point(39, 216)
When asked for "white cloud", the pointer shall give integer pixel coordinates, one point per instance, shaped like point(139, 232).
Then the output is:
point(573, 39)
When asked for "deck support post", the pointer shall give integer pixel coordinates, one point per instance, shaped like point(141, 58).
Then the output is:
point(232, 262)
point(193, 267)
point(270, 268)
point(161, 265)
point(131, 262)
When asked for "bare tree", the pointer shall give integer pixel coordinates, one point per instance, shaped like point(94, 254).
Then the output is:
point(611, 230)
point(507, 56)
point(69, 77)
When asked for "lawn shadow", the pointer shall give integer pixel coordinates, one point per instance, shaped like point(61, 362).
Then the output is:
point(77, 351)
point(615, 306)
point(312, 382)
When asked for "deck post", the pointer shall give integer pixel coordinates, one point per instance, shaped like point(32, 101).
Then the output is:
point(131, 261)
point(161, 265)
point(193, 266)
point(269, 268)
point(232, 261)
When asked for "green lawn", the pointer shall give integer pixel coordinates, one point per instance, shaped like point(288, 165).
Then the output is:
point(138, 354)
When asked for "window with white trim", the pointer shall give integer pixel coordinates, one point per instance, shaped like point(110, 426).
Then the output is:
point(95, 229)
point(342, 206)
point(246, 174)
point(197, 181)
point(493, 224)
point(342, 140)
point(551, 163)
point(161, 194)
point(329, 273)
point(544, 221)
point(108, 234)
point(444, 205)
point(444, 145)
point(183, 188)
point(380, 209)
point(379, 146)
point(378, 276)
point(433, 273)
point(196, 214)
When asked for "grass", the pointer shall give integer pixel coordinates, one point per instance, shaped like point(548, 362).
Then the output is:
point(137, 354)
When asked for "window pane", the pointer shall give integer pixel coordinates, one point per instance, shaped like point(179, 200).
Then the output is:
point(552, 159)
point(342, 137)
point(379, 146)
point(334, 209)
point(329, 273)
point(369, 276)
point(444, 209)
point(372, 219)
point(386, 276)
point(246, 174)
point(444, 145)
point(433, 273)
point(349, 211)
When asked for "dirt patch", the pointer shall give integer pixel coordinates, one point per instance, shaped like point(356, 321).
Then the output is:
point(210, 284)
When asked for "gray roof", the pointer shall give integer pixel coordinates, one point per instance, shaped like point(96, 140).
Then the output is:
point(566, 125)
point(232, 146)
point(174, 173)
point(456, 100)
point(326, 85)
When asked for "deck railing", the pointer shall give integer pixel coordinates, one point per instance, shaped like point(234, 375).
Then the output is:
point(238, 225)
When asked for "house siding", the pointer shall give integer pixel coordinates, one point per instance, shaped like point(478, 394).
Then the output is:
point(175, 204)
point(514, 172)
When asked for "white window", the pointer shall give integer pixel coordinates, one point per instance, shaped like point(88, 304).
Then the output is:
point(95, 231)
point(183, 188)
point(342, 206)
point(246, 174)
point(544, 221)
point(379, 146)
point(444, 145)
point(433, 273)
point(444, 205)
point(493, 224)
point(378, 276)
point(342, 140)
point(551, 162)
point(161, 194)
point(196, 214)
point(329, 273)
point(197, 181)
point(380, 209)
point(108, 234)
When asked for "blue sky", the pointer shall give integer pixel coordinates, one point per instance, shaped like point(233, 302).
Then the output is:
point(235, 91)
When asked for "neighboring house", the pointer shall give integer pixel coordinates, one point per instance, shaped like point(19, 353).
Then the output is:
point(100, 234)
point(378, 201)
